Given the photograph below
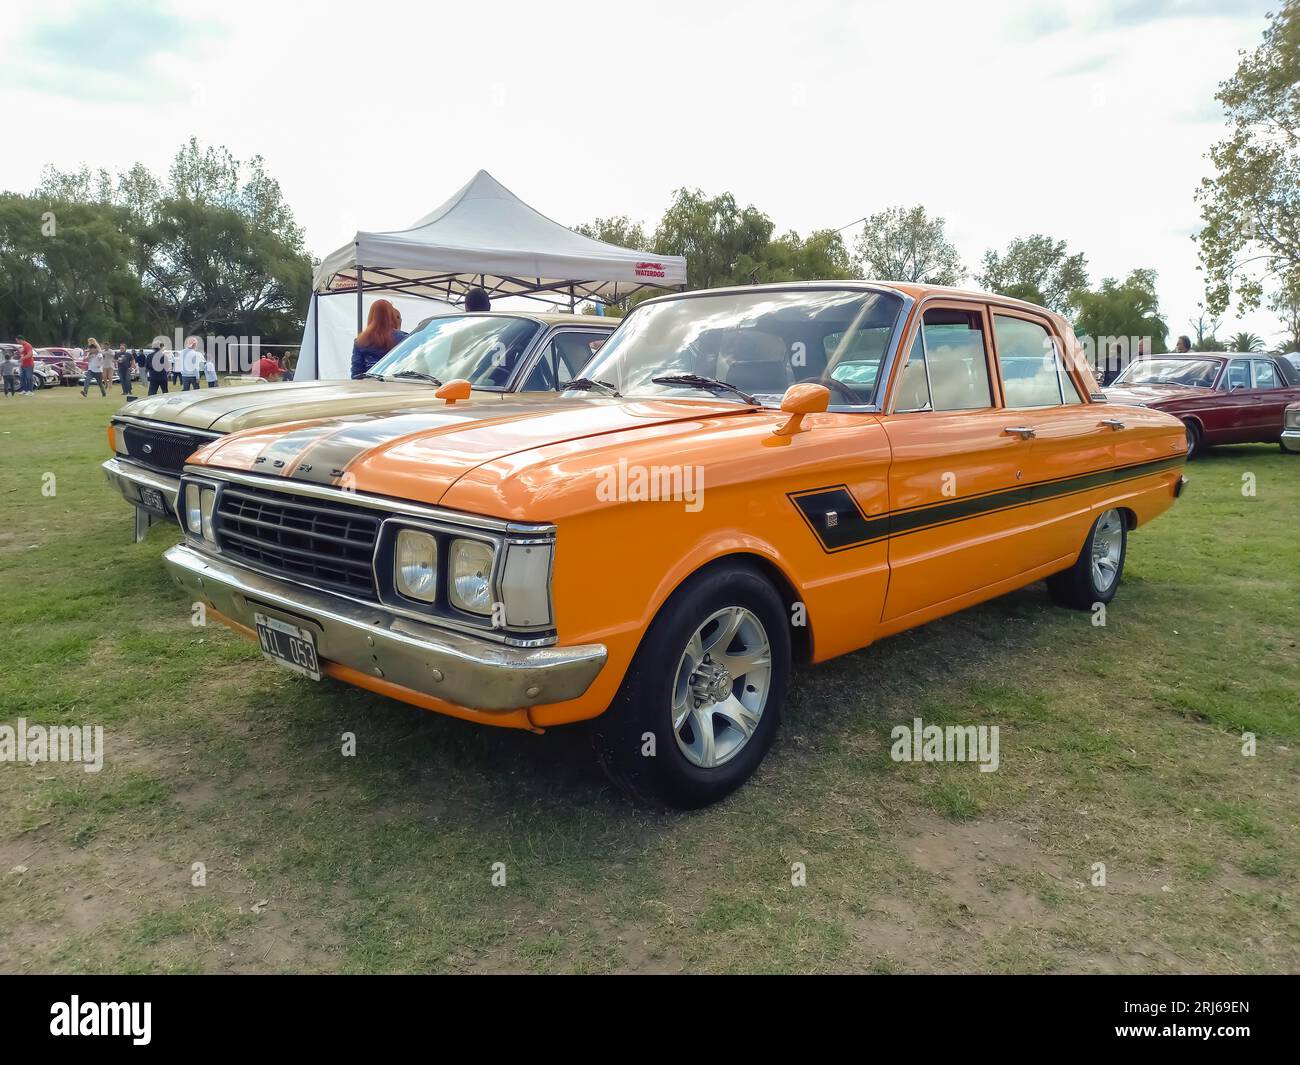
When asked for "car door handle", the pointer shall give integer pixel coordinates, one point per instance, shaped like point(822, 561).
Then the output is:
point(1024, 431)
point(1114, 423)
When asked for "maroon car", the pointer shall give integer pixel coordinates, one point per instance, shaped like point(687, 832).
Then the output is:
point(1222, 398)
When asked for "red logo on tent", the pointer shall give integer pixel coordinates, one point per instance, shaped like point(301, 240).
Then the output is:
point(650, 270)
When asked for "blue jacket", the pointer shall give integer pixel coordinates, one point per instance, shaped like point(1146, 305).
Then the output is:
point(365, 356)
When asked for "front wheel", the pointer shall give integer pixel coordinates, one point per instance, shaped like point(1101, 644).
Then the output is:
point(702, 700)
point(1095, 575)
point(1194, 443)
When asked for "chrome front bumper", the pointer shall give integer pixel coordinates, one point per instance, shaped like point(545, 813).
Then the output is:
point(467, 671)
point(1291, 440)
point(129, 477)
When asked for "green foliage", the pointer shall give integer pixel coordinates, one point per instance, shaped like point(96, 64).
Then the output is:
point(715, 234)
point(213, 248)
point(905, 244)
point(1124, 309)
point(1251, 207)
point(1038, 269)
point(620, 231)
point(1245, 342)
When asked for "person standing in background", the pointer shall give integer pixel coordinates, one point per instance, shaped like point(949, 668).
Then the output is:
point(382, 333)
point(268, 368)
point(1183, 345)
point(174, 366)
point(124, 362)
point(191, 364)
point(9, 371)
point(94, 368)
point(26, 366)
point(477, 302)
point(210, 371)
point(158, 365)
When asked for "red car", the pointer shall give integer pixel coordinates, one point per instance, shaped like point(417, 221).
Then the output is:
point(1222, 398)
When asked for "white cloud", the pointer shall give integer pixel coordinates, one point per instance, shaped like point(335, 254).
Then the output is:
point(1090, 125)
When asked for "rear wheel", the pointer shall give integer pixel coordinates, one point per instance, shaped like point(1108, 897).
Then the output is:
point(702, 700)
point(1095, 575)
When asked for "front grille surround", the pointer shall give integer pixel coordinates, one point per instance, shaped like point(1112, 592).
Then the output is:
point(338, 541)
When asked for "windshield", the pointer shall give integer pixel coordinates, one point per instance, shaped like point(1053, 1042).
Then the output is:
point(761, 342)
point(483, 349)
point(1193, 373)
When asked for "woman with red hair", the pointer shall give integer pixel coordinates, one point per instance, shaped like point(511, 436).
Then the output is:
point(382, 333)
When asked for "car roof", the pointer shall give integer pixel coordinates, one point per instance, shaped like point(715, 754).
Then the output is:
point(545, 317)
point(913, 290)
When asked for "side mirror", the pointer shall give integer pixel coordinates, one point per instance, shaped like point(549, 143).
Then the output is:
point(807, 398)
point(454, 390)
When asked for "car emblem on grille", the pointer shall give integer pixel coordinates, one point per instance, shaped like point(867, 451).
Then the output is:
point(147, 449)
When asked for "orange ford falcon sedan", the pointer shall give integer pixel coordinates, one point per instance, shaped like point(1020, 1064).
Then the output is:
point(746, 479)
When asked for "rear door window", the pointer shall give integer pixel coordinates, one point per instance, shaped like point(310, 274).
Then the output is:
point(956, 359)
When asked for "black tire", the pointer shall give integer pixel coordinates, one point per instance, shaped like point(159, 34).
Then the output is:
point(1194, 444)
point(644, 703)
point(1078, 586)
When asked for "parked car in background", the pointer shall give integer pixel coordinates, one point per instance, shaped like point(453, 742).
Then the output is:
point(745, 479)
point(63, 362)
point(498, 353)
point(1220, 397)
point(1291, 429)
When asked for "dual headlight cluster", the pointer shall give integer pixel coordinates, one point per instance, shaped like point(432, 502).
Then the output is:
point(196, 510)
point(470, 565)
point(1293, 418)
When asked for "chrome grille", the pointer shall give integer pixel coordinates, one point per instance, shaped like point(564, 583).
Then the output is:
point(326, 544)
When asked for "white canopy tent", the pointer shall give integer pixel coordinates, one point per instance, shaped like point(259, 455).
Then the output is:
point(326, 351)
point(484, 237)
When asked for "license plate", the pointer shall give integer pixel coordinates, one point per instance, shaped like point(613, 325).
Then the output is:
point(288, 645)
point(152, 499)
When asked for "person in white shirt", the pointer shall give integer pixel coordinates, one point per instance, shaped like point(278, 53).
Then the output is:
point(210, 372)
point(191, 363)
point(94, 368)
point(174, 365)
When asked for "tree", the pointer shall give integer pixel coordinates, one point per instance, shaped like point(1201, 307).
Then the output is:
point(1124, 309)
point(1245, 342)
point(1286, 305)
point(1251, 207)
point(1204, 327)
point(1038, 269)
point(714, 234)
point(905, 244)
point(620, 231)
point(64, 270)
point(822, 256)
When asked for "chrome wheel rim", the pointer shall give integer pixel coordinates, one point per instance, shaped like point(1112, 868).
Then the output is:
point(721, 687)
point(1107, 542)
point(1191, 438)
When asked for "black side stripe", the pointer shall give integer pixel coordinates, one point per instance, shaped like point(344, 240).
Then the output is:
point(834, 517)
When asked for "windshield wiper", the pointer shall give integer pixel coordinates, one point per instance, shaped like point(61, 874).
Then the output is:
point(585, 384)
point(422, 376)
point(711, 384)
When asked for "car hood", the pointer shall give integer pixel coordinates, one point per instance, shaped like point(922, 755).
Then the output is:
point(418, 454)
point(1153, 395)
point(228, 410)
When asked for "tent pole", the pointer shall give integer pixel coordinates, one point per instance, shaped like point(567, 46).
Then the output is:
point(315, 299)
point(360, 285)
point(571, 303)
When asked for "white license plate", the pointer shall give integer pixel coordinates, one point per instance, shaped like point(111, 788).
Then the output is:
point(288, 645)
point(152, 499)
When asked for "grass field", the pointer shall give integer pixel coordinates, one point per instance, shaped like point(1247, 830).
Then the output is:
point(1120, 745)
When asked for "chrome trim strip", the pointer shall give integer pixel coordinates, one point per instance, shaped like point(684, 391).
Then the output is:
point(461, 670)
point(360, 499)
point(165, 427)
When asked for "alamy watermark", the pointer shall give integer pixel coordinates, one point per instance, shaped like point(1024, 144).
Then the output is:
point(919, 742)
point(53, 743)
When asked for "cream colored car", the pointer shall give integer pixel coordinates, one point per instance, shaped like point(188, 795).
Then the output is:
point(500, 354)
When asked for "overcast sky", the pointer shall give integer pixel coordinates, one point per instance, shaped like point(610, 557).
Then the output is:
point(1085, 119)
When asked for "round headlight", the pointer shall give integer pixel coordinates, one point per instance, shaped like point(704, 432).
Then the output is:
point(470, 575)
point(415, 565)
